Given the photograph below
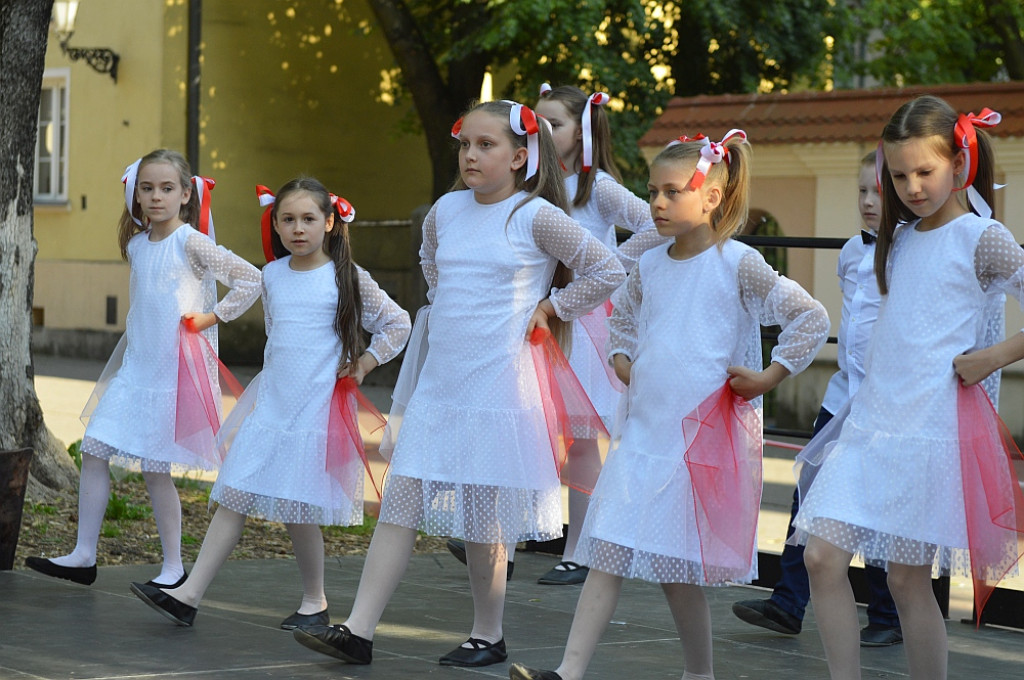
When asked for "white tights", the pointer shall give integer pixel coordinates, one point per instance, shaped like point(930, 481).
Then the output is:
point(93, 495)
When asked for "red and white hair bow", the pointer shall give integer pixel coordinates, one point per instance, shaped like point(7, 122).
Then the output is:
point(710, 154)
point(596, 99)
point(966, 138)
point(545, 89)
point(203, 187)
point(131, 174)
point(524, 122)
point(266, 198)
point(344, 208)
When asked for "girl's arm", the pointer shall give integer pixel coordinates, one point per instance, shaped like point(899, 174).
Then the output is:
point(774, 299)
point(598, 273)
point(427, 252)
point(387, 323)
point(999, 262)
point(622, 326)
point(242, 278)
point(621, 207)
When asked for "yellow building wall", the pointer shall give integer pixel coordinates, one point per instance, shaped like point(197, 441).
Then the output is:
point(288, 88)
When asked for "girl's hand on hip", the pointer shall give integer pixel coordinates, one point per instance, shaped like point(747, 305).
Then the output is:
point(539, 319)
point(973, 368)
point(199, 321)
point(752, 384)
point(359, 368)
point(623, 367)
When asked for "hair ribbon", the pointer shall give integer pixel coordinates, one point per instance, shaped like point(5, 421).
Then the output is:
point(596, 99)
point(966, 138)
point(344, 208)
point(545, 89)
point(129, 178)
point(524, 122)
point(266, 198)
point(711, 153)
point(203, 187)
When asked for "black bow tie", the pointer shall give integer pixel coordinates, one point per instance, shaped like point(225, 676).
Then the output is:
point(867, 237)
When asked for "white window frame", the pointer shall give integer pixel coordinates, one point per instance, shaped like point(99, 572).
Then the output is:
point(58, 80)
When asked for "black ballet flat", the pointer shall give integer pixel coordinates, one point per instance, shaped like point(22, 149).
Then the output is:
point(520, 672)
point(296, 620)
point(169, 586)
point(176, 610)
point(83, 575)
point(337, 641)
point(480, 653)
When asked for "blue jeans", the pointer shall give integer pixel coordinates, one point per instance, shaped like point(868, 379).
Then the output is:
point(793, 591)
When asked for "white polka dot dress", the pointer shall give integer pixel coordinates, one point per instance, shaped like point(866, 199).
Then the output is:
point(890, 487)
point(610, 205)
point(473, 459)
point(133, 422)
point(275, 468)
point(641, 521)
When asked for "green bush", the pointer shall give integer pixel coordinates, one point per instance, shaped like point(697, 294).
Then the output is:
point(75, 451)
point(120, 507)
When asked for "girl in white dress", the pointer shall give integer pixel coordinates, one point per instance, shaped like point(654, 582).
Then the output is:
point(316, 302)
point(473, 459)
point(890, 487)
point(172, 270)
point(686, 326)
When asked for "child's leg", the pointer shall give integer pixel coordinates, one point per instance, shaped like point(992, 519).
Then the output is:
point(924, 631)
point(692, 615)
point(594, 610)
point(834, 607)
point(586, 452)
point(386, 562)
point(167, 512)
point(221, 538)
point(308, 544)
point(93, 495)
point(488, 564)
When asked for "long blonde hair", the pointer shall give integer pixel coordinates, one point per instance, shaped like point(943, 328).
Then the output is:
point(189, 212)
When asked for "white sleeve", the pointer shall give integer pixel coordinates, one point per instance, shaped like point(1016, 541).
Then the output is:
point(427, 252)
point(597, 271)
point(243, 279)
point(624, 321)
point(387, 323)
point(774, 299)
point(619, 206)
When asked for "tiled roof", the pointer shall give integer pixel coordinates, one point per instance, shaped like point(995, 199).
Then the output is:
point(824, 117)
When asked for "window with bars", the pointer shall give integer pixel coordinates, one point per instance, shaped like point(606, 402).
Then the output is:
point(51, 171)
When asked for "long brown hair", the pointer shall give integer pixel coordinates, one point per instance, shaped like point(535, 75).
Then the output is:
point(546, 183)
point(923, 118)
point(732, 174)
point(189, 213)
point(348, 316)
point(575, 101)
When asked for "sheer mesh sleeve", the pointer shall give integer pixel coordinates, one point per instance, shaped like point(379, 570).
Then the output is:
point(622, 324)
point(427, 251)
point(598, 273)
point(621, 207)
point(243, 279)
point(999, 262)
point(387, 323)
point(774, 299)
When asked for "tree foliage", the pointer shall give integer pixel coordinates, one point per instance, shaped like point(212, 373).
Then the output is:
point(906, 42)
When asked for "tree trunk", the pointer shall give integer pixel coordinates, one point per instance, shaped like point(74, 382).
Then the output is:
point(433, 98)
point(23, 34)
point(1004, 23)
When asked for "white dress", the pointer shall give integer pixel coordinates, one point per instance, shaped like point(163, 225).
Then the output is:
point(133, 422)
point(610, 205)
point(276, 466)
point(890, 487)
point(640, 522)
point(473, 459)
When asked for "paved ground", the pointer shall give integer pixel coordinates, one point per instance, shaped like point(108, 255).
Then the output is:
point(54, 629)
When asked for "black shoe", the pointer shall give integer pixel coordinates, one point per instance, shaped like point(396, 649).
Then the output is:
point(83, 575)
point(297, 619)
point(564, 574)
point(876, 635)
point(171, 586)
point(767, 614)
point(336, 641)
point(479, 653)
point(176, 610)
point(520, 672)
point(458, 549)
